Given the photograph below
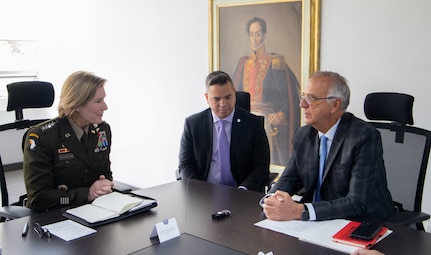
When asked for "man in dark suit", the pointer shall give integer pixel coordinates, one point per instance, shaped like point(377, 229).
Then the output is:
point(353, 182)
point(248, 143)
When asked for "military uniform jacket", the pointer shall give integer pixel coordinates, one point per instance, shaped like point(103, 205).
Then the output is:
point(58, 170)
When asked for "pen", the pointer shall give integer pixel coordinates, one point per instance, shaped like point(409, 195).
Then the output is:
point(25, 229)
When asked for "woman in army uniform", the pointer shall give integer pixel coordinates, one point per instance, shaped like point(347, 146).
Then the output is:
point(66, 159)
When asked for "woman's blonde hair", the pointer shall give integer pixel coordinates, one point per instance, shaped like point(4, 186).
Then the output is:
point(78, 89)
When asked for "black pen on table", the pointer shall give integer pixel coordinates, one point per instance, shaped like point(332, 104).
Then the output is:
point(25, 229)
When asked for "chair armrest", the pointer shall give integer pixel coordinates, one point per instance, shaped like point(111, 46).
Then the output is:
point(408, 218)
point(12, 212)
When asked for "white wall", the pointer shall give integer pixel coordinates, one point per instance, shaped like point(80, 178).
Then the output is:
point(381, 46)
point(155, 57)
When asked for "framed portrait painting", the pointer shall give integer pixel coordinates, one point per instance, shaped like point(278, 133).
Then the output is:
point(269, 48)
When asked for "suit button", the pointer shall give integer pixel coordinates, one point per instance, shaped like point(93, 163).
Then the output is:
point(86, 170)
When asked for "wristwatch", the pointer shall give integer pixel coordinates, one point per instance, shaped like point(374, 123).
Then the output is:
point(305, 213)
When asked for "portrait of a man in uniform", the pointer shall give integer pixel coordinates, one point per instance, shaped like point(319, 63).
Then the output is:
point(264, 59)
point(273, 89)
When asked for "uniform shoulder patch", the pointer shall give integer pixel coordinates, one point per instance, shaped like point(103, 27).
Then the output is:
point(33, 138)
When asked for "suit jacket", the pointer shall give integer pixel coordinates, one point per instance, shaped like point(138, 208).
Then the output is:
point(249, 148)
point(354, 183)
point(57, 169)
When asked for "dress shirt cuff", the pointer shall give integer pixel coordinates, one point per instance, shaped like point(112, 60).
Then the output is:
point(263, 198)
point(242, 187)
point(311, 211)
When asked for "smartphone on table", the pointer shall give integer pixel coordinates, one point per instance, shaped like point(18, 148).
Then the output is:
point(366, 231)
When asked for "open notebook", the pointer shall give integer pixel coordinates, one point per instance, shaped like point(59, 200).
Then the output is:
point(110, 207)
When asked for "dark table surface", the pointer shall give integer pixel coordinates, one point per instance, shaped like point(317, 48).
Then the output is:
point(191, 203)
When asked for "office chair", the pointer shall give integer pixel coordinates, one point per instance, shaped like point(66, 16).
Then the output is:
point(25, 95)
point(22, 95)
point(406, 151)
point(7, 211)
point(243, 101)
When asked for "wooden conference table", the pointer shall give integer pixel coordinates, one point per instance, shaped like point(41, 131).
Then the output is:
point(191, 203)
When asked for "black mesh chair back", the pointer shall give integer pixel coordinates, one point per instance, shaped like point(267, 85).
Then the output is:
point(26, 95)
point(406, 151)
point(243, 100)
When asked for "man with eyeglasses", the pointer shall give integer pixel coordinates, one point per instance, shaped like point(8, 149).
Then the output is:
point(337, 161)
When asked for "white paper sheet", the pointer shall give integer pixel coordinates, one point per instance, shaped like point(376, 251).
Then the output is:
point(69, 230)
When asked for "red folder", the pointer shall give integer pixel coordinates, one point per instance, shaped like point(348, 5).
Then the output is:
point(343, 236)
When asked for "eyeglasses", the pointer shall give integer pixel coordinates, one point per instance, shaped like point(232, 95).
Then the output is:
point(312, 100)
point(41, 231)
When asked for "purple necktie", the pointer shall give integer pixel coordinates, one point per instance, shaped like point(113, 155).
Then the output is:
point(224, 155)
point(323, 141)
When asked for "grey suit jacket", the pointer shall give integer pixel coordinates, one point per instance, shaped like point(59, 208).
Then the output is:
point(249, 148)
point(354, 183)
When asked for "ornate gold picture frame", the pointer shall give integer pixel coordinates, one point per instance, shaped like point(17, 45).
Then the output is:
point(235, 36)
point(269, 48)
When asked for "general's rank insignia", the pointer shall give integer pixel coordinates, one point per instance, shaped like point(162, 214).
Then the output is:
point(48, 126)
